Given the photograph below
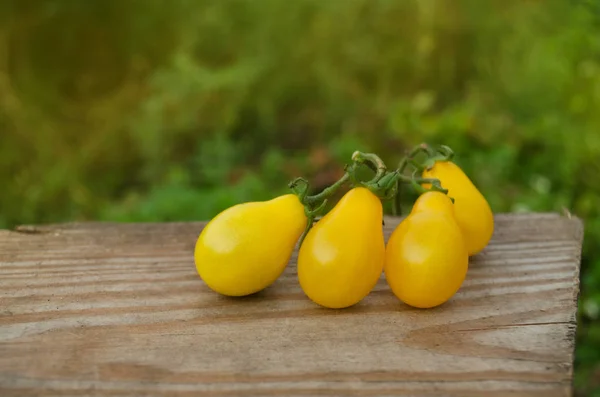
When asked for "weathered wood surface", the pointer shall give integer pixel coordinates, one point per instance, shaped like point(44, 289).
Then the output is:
point(118, 310)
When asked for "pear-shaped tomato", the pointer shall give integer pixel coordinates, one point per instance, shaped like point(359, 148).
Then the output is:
point(472, 211)
point(342, 256)
point(245, 248)
point(426, 258)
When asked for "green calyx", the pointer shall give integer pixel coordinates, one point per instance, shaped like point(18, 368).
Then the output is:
point(442, 153)
point(385, 184)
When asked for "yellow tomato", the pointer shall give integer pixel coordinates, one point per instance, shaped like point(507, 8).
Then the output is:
point(342, 256)
point(245, 248)
point(426, 258)
point(472, 211)
point(437, 202)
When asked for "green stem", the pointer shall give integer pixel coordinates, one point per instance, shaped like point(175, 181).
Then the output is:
point(373, 161)
point(405, 162)
point(396, 207)
point(396, 210)
point(446, 152)
point(417, 184)
point(385, 184)
point(410, 179)
point(300, 191)
point(309, 223)
point(409, 158)
point(370, 159)
point(314, 205)
point(327, 192)
point(311, 214)
point(442, 153)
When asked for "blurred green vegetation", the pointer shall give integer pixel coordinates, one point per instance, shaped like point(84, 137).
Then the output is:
point(145, 110)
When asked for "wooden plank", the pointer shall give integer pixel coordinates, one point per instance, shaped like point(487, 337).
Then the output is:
point(118, 310)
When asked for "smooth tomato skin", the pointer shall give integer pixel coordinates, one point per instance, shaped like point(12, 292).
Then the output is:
point(433, 202)
point(471, 209)
point(426, 257)
point(342, 257)
point(245, 248)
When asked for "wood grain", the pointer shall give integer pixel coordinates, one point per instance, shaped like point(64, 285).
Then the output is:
point(118, 310)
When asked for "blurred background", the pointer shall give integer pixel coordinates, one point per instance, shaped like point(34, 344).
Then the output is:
point(148, 110)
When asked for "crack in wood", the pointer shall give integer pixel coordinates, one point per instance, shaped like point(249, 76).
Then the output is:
point(495, 327)
point(32, 229)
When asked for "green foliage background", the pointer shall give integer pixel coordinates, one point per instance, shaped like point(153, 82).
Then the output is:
point(144, 110)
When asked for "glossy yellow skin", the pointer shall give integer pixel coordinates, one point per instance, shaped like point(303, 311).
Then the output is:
point(472, 211)
point(245, 248)
point(342, 256)
point(426, 258)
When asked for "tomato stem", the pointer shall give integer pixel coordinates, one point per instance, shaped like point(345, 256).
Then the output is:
point(442, 153)
point(327, 192)
point(446, 152)
point(409, 158)
point(300, 187)
point(385, 184)
point(359, 158)
point(373, 160)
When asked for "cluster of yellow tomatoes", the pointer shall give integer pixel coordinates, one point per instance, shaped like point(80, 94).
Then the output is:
point(341, 257)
